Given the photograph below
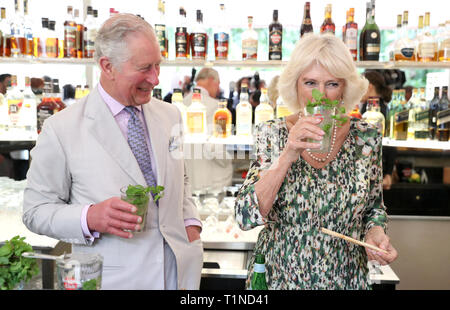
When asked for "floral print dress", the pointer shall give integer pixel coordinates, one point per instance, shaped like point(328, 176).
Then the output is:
point(344, 196)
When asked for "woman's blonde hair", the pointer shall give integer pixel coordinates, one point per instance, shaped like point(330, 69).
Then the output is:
point(330, 52)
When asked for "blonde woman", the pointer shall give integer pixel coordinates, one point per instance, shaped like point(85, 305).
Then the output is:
point(294, 192)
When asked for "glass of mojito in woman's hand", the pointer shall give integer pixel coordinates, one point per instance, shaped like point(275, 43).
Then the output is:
point(139, 196)
point(327, 110)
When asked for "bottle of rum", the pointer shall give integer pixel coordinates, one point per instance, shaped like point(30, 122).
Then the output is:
point(177, 100)
point(264, 111)
point(443, 129)
point(350, 34)
point(249, 41)
point(70, 35)
point(5, 37)
point(222, 120)
point(56, 96)
point(51, 42)
point(434, 109)
point(244, 114)
point(328, 24)
point(161, 32)
point(373, 114)
point(258, 280)
point(369, 40)
point(306, 23)
point(28, 112)
point(275, 38)
point(79, 37)
point(199, 39)
point(222, 37)
point(444, 45)
point(182, 46)
point(196, 115)
point(427, 43)
point(90, 33)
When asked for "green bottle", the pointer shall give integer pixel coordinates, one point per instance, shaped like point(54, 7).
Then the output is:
point(259, 273)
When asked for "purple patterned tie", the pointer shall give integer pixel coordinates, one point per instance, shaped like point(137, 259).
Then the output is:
point(136, 141)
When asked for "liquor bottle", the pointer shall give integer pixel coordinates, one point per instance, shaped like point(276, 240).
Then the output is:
point(427, 44)
point(275, 38)
point(413, 107)
point(4, 118)
point(14, 99)
point(373, 115)
point(418, 38)
point(70, 35)
point(398, 32)
point(161, 32)
point(51, 42)
point(282, 109)
point(40, 42)
point(258, 280)
point(177, 100)
point(422, 118)
point(244, 113)
point(27, 31)
point(264, 111)
point(306, 23)
point(222, 120)
point(444, 45)
point(78, 92)
point(157, 93)
point(199, 39)
point(90, 33)
point(196, 115)
point(5, 38)
point(350, 34)
point(434, 109)
point(328, 24)
point(392, 109)
point(18, 45)
point(222, 37)
point(249, 41)
point(56, 95)
point(443, 129)
point(182, 46)
point(47, 107)
point(369, 40)
point(79, 34)
point(86, 90)
point(401, 118)
point(28, 112)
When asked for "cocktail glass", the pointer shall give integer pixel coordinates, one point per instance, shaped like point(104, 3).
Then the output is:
point(140, 202)
point(327, 125)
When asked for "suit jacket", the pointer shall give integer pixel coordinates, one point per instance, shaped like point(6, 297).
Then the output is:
point(81, 157)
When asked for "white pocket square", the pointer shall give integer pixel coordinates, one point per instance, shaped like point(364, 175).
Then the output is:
point(174, 143)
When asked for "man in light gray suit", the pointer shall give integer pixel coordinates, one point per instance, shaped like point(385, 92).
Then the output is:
point(116, 136)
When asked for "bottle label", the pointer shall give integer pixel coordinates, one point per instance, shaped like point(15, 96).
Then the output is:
point(250, 47)
point(195, 122)
point(70, 36)
point(181, 41)
point(199, 42)
point(427, 50)
point(13, 110)
point(372, 48)
point(259, 268)
point(161, 36)
point(351, 35)
point(407, 52)
point(221, 37)
point(307, 21)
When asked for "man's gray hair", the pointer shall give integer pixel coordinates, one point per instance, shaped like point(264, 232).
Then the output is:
point(207, 73)
point(111, 37)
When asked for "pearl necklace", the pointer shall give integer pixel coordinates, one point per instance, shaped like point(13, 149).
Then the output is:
point(333, 141)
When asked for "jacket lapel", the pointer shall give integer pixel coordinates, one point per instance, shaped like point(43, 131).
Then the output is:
point(106, 131)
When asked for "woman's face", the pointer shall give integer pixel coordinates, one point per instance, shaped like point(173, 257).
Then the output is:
point(315, 76)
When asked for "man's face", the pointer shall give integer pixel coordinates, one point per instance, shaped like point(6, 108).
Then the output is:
point(135, 79)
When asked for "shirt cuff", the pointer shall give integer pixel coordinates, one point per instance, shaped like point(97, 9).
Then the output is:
point(193, 222)
point(84, 226)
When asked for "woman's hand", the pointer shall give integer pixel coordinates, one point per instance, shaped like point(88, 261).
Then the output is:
point(378, 238)
point(305, 127)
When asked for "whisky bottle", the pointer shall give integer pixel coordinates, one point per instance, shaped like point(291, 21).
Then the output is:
point(47, 107)
point(373, 115)
point(427, 44)
point(444, 45)
point(264, 111)
point(422, 118)
point(350, 34)
point(39, 46)
point(79, 35)
point(161, 32)
point(306, 23)
point(244, 113)
point(70, 35)
point(18, 45)
point(90, 33)
point(5, 35)
point(258, 280)
point(369, 40)
point(401, 118)
point(196, 115)
point(275, 38)
point(222, 37)
point(177, 100)
point(249, 41)
point(443, 129)
point(434, 109)
point(328, 24)
point(51, 42)
point(199, 39)
point(398, 31)
point(56, 96)
point(182, 46)
point(222, 120)
point(392, 109)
